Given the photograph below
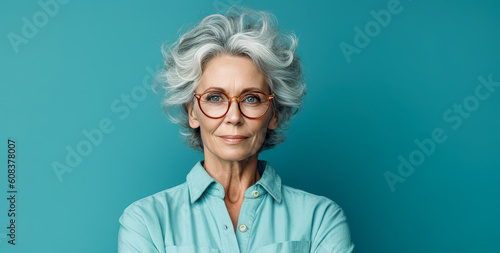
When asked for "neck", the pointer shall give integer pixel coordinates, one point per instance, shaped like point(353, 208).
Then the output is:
point(235, 176)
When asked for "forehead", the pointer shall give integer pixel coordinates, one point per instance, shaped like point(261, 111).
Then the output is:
point(233, 74)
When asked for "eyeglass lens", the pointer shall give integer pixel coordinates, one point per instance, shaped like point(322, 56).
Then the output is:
point(252, 104)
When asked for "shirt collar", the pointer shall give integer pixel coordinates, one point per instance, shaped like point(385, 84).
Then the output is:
point(198, 180)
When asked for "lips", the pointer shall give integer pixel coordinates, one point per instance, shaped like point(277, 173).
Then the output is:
point(233, 138)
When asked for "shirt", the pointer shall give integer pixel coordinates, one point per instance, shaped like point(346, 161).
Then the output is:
point(192, 217)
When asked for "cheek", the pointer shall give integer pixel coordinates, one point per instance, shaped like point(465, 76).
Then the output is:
point(261, 131)
point(207, 128)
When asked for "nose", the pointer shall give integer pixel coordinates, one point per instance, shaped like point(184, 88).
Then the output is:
point(234, 115)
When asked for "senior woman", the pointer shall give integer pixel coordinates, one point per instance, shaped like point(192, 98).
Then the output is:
point(238, 81)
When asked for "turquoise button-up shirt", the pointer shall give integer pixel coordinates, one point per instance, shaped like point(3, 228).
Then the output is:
point(192, 217)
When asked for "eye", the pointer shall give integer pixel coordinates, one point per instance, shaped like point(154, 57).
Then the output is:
point(252, 99)
point(214, 97)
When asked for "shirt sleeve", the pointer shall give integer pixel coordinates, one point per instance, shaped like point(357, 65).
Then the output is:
point(134, 235)
point(333, 235)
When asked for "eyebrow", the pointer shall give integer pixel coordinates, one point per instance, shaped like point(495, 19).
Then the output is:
point(244, 90)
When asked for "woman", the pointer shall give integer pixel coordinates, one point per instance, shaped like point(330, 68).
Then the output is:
point(238, 81)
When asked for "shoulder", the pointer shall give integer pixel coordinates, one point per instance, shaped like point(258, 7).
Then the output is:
point(321, 208)
point(158, 202)
point(140, 222)
point(306, 198)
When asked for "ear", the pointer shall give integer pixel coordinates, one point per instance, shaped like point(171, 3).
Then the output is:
point(193, 120)
point(273, 123)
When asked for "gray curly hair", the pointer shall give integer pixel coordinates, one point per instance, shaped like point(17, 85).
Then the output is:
point(239, 32)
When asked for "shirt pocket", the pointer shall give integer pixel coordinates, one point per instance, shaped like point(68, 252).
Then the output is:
point(190, 249)
point(282, 247)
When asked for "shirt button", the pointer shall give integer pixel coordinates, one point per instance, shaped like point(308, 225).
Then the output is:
point(255, 193)
point(243, 228)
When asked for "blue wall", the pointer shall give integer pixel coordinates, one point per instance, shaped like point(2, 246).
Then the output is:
point(400, 125)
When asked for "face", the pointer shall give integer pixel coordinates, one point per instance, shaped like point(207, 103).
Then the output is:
point(232, 74)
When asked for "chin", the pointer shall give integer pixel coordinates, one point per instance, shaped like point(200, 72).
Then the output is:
point(235, 154)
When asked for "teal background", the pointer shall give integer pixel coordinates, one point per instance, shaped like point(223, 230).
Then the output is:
point(357, 119)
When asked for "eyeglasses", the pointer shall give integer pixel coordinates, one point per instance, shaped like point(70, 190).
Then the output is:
point(252, 104)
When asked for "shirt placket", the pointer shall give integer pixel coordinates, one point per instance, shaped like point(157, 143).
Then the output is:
point(246, 219)
point(232, 242)
point(215, 201)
